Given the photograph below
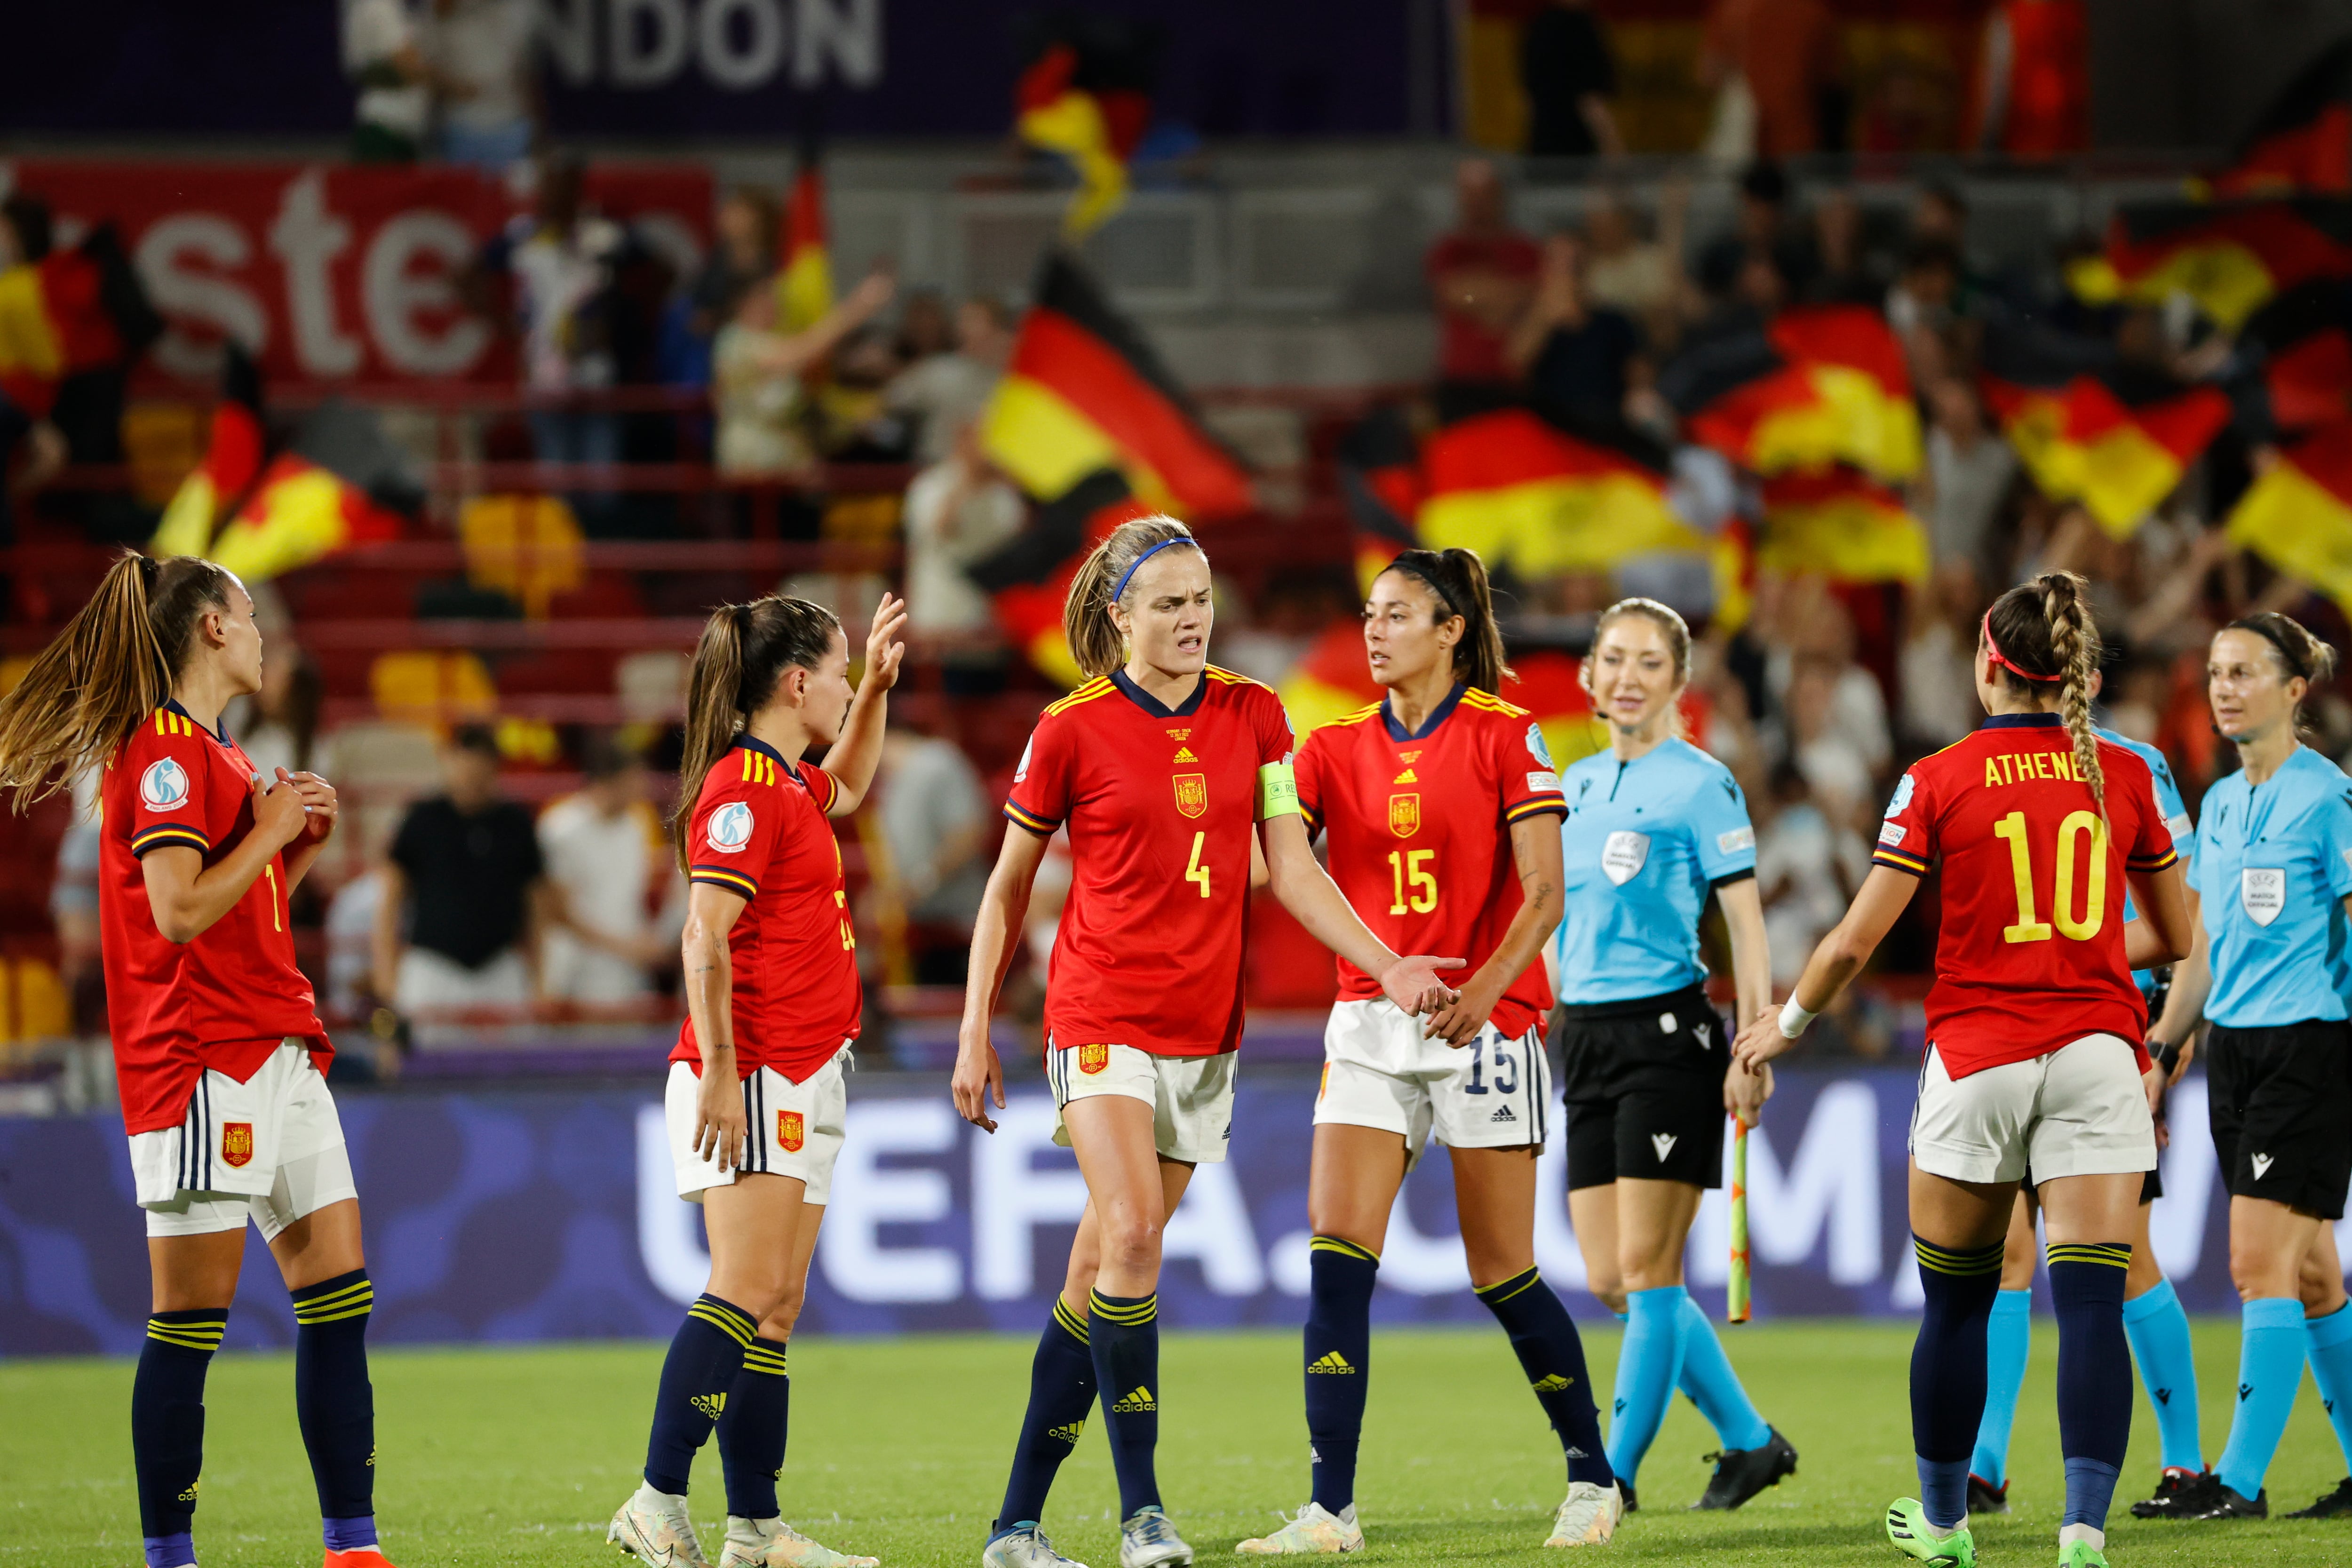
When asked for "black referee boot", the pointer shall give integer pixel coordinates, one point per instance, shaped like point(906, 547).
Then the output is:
point(1986, 1498)
point(2333, 1505)
point(2230, 1505)
point(2180, 1494)
point(1741, 1473)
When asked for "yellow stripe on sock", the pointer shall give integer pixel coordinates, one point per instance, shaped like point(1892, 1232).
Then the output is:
point(341, 1304)
point(1069, 1319)
point(312, 1319)
point(1345, 1248)
point(1502, 1291)
point(1964, 1265)
point(1142, 1311)
point(724, 1322)
point(2115, 1255)
point(771, 1362)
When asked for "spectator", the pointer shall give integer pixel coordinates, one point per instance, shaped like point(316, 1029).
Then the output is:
point(1807, 869)
point(1941, 214)
point(1785, 52)
point(937, 827)
point(854, 420)
point(756, 382)
point(2034, 82)
point(1970, 471)
point(1564, 64)
point(743, 255)
point(1761, 236)
point(1481, 277)
point(924, 328)
point(395, 95)
point(946, 392)
point(605, 858)
point(481, 58)
point(465, 879)
point(1576, 356)
point(1845, 276)
point(958, 511)
point(1625, 272)
point(1937, 671)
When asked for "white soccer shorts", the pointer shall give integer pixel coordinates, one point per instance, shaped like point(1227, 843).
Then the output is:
point(269, 1149)
point(1494, 1092)
point(1192, 1098)
point(794, 1129)
point(2079, 1110)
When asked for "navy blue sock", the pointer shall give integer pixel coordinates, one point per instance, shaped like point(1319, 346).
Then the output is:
point(1339, 1353)
point(1123, 1334)
point(1552, 1355)
point(697, 1375)
point(753, 1428)
point(1948, 1373)
point(2095, 1373)
point(336, 1404)
point(167, 1426)
point(1061, 1394)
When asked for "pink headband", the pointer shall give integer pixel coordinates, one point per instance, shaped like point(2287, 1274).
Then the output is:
point(1992, 651)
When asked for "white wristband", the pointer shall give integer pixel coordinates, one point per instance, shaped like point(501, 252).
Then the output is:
point(1794, 1019)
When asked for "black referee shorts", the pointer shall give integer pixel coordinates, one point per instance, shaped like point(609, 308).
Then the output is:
point(2280, 1102)
point(1644, 1083)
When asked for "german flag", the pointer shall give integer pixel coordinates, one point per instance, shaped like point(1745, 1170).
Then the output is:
point(1521, 491)
point(1378, 466)
point(1843, 524)
point(1027, 580)
point(2230, 257)
point(1084, 391)
point(2298, 516)
point(804, 286)
point(2302, 145)
point(2298, 354)
point(1086, 95)
point(232, 461)
point(70, 311)
point(1822, 384)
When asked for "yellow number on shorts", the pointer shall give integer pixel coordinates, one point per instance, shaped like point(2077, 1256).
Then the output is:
point(1406, 870)
point(1194, 871)
point(2094, 881)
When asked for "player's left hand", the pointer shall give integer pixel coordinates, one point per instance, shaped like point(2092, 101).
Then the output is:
point(319, 803)
point(2154, 1083)
point(1746, 1088)
point(1760, 1041)
point(1413, 983)
point(884, 652)
point(1458, 1022)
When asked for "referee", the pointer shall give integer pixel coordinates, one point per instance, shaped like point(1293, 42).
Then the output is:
point(2273, 876)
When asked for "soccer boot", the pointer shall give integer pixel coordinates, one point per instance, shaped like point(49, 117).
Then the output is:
point(1986, 1498)
point(1588, 1516)
point(1907, 1528)
point(652, 1528)
point(1148, 1540)
point(2228, 1504)
point(2081, 1554)
point(358, 1557)
point(1625, 1490)
point(1315, 1530)
point(772, 1543)
point(1024, 1546)
point(2335, 1504)
point(1741, 1473)
point(2180, 1494)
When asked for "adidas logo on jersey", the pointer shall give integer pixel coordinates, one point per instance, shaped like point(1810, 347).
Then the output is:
point(1136, 1400)
point(1664, 1142)
point(1551, 1383)
point(1406, 777)
point(1183, 754)
point(711, 1405)
point(1069, 1434)
point(1502, 1113)
point(1331, 1361)
point(2261, 1166)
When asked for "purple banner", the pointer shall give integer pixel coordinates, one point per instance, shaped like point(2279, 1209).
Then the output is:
point(551, 1214)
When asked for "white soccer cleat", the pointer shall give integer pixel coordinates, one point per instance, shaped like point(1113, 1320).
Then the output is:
point(1148, 1540)
point(772, 1543)
point(1316, 1528)
point(1587, 1517)
point(653, 1528)
point(1024, 1548)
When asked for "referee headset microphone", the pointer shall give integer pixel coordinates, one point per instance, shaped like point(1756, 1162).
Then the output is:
point(746, 652)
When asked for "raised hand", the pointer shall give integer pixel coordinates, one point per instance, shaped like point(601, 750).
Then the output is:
point(884, 652)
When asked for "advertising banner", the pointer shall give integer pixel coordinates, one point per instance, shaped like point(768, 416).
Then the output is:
point(552, 1214)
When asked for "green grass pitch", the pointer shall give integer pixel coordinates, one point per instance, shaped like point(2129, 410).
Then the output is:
point(517, 1455)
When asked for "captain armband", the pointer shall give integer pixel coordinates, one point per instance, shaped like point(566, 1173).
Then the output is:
point(1278, 792)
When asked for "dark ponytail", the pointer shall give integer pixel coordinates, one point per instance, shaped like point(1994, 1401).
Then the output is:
point(1456, 580)
point(744, 652)
point(114, 663)
point(2044, 636)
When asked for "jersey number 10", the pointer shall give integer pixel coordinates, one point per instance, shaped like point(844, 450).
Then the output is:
point(2029, 928)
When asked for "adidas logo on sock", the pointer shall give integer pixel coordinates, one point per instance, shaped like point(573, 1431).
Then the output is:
point(1502, 1113)
point(1069, 1434)
point(1664, 1142)
point(1552, 1383)
point(2243, 1390)
point(1135, 1402)
point(1577, 1453)
point(190, 1495)
point(711, 1405)
point(1331, 1361)
point(2261, 1166)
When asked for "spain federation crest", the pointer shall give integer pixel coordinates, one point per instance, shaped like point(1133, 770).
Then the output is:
point(1192, 794)
point(236, 1143)
point(789, 1134)
point(1404, 815)
point(1093, 1058)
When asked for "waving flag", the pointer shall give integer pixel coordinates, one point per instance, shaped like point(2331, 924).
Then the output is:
point(2298, 516)
point(804, 286)
point(2298, 350)
point(1843, 524)
point(1027, 580)
point(2229, 257)
point(1086, 95)
point(72, 311)
point(2302, 145)
point(1822, 384)
point(232, 461)
point(1521, 491)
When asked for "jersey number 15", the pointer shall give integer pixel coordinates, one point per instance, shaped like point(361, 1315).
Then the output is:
point(2082, 928)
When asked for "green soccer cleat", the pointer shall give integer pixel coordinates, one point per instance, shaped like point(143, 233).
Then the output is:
point(1907, 1528)
point(2082, 1554)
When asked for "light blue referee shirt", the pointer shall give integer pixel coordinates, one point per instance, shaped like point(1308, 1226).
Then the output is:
point(2176, 820)
point(1643, 844)
point(2274, 865)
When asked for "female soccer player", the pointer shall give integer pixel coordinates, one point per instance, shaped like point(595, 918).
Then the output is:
point(1441, 808)
point(217, 1045)
point(2033, 1054)
point(2274, 880)
point(1163, 765)
point(756, 1101)
point(1653, 824)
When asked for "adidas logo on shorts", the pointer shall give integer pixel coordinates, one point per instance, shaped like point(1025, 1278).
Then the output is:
point(1502, 1113)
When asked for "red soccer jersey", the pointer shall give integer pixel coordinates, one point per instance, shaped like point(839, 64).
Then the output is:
point(759, 832)
point(2031, 952)
point(1161, 802)
point(1420, 831)
point(230, 997)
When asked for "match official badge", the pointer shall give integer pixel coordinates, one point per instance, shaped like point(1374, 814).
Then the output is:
point(1192, 794)
point(1093, 1058)
point(1404, 815)
point(789, 1136)
point(236, 1144)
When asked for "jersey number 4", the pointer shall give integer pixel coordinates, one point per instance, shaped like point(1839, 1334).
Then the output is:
point(2082, 928)
point(1193, 870)
point(1416, 888)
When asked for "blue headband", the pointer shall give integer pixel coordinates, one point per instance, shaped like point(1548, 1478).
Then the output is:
point(1130, 574)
